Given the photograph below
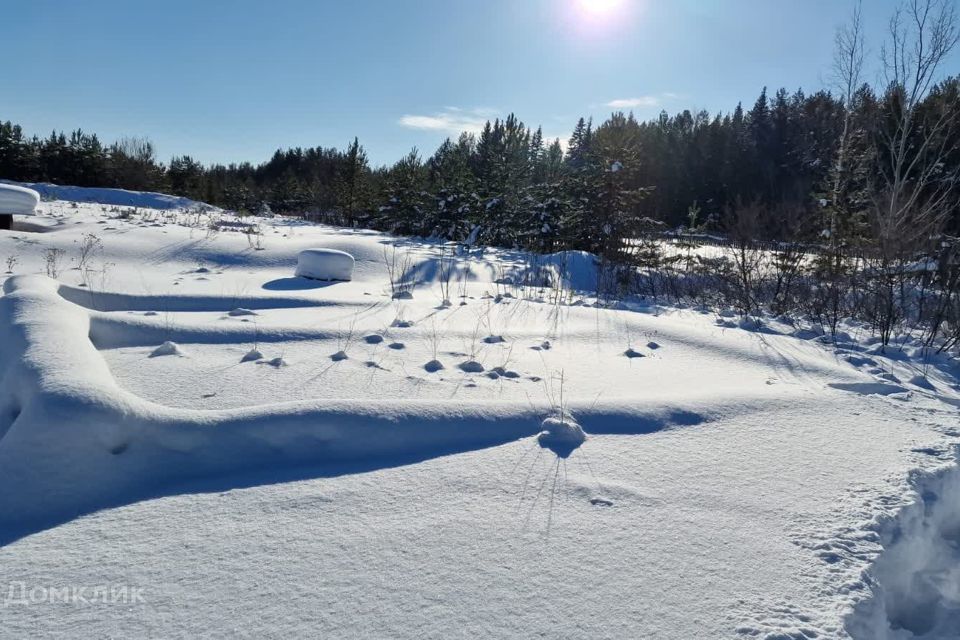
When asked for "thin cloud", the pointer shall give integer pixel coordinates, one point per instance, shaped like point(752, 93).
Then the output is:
point(452, 120)
point(634, 103)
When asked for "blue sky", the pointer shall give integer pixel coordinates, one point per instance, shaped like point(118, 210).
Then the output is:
point(232, 80)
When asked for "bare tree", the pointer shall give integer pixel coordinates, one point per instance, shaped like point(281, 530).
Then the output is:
point(847, 71)
point(916, 184)
point(915, 188)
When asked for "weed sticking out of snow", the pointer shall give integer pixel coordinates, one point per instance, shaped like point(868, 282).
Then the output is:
point(167, 349)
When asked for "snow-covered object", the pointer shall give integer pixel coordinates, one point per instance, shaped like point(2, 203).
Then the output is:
point(18, 200)
point(252, 356)
point(325, 264)
point(167, 349)
point(561, 434)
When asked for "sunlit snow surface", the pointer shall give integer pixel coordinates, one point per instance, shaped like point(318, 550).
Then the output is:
point(174, 420)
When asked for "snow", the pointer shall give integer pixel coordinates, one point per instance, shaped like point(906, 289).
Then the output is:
point(167, 349)
point(733, 482)
point(115, 197)
point(325, 264)
point(18, 200)
point(917, 577)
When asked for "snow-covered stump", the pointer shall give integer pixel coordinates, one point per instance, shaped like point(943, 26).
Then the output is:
point(16, 200)
point(325, 264)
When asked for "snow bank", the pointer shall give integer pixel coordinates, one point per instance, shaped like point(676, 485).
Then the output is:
point(18, 200)
point(325, 264)
point(116, 197)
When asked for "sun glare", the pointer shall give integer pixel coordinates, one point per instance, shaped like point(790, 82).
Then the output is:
point(600, 8)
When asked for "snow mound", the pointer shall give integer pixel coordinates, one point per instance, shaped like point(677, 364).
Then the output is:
point(471, 366)
point(252, 356)
point(241, 311)
point(325, 264)
point(18, 200)
point(561, 434)
point(167, 349)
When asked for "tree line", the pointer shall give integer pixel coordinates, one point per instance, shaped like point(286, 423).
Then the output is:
point(691, 169)
point(857, 175)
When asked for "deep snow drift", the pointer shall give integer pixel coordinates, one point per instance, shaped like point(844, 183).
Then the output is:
point(493, 455)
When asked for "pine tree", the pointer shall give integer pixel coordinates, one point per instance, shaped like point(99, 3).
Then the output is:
point(352, 186)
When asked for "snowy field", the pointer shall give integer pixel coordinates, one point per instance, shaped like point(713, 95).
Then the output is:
point(254, 454)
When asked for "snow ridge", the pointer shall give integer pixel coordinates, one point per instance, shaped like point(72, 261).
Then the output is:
point(74, 441)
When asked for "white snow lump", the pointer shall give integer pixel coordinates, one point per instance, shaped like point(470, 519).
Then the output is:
point(18, 200)
point(325, 264)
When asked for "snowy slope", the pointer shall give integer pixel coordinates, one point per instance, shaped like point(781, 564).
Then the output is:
point(116, 197)
point(264, 455)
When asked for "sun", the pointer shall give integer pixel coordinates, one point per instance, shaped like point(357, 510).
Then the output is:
point(600, 8)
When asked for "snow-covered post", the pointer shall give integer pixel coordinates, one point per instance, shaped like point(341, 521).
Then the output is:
point(16, 200)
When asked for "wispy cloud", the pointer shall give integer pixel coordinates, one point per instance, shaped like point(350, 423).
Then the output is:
point(451, 120)
point(634, 103)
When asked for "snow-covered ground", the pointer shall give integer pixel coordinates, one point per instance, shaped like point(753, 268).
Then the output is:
point(219, 448)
